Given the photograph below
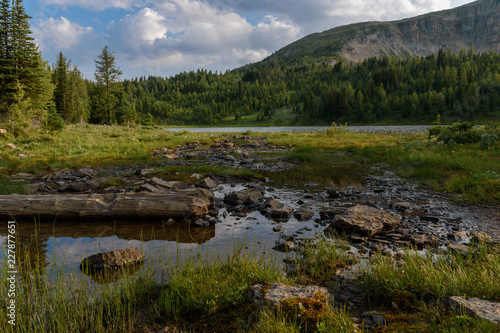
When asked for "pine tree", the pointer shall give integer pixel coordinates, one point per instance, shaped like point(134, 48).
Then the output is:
point(25, 83)
point(60, 77)
point(107, 75)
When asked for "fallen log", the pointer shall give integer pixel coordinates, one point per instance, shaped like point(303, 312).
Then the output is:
point(183, 204)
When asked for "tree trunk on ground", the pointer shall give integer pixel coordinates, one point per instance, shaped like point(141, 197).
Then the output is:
point(184, 204)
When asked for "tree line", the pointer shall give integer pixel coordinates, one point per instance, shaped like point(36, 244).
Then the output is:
point(461, 86)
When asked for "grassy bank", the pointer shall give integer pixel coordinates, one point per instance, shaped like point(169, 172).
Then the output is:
point(467, 169)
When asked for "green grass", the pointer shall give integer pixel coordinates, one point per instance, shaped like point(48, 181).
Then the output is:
point(13, 186)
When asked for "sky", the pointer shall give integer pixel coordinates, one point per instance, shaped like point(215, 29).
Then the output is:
point(166, 37)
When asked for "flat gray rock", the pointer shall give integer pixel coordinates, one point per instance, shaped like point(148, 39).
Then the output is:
point(365, 220)
point(476, 307)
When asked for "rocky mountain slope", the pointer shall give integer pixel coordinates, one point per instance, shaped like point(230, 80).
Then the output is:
point(474, 25)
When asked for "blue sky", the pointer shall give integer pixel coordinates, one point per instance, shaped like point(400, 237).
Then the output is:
point(165, 37)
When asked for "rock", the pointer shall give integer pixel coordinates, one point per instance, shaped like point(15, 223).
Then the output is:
point(3, 131)
point(201, 223)
point(166, 186)
point(89, 185)
point(170, 156)
point(458, 236)
point(247, 196)
point(431, 219)
point(151, 188)
point(378, 319)
point(85, 172)
point(303, 214)
point(475, 307)
point(422, 240)
point(144, 172)
point(196, 176)
point(480, 237)
point(271, 204)
point(402, 206)
point(207, 183)
point(284, 247)
point(330, 214)
point(282, 213)
point(11, 146)
point(112, 259)
point(278, 228)
point(365, 220)
point(333, 194)
point(462, 249)
point(278, 292)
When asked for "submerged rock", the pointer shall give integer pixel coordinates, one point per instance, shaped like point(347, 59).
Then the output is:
point(284, 247)
point(112, 259)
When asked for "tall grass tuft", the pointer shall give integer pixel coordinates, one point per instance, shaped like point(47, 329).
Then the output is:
point(217, 288)
point(432, 278)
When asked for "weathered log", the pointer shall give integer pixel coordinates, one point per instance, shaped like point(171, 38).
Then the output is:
point(183, 204)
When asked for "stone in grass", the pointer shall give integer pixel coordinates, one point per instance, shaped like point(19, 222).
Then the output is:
point(476, 307)
point(112, 259)
point(276, 293)
point(480, 238)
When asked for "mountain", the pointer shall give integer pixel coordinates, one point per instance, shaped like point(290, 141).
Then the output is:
point(474, 25)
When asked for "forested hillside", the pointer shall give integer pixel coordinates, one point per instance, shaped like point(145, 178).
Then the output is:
point(464, 86)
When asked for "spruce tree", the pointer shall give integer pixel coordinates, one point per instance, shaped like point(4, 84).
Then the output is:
point(25, 82)
point(60, 76)
point(107, 74)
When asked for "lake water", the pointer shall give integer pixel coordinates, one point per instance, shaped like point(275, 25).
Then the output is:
point(67, 243)
point(402, 129)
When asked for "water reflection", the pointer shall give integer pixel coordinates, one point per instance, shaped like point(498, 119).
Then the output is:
point(35, 234)
point(112, 275)
point(310, 175)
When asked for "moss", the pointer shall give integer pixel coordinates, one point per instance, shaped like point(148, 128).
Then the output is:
point(308, 311)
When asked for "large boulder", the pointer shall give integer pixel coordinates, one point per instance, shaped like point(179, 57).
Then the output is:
point(112, 259)
point(247, 196)
point(365, 220)
point(476, 307)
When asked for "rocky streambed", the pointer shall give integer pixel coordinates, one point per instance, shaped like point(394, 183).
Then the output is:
point(370, 208)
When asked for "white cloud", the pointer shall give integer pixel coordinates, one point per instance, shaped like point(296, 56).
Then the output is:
point(319, 15)
point(193, 34)
point(60, 34)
